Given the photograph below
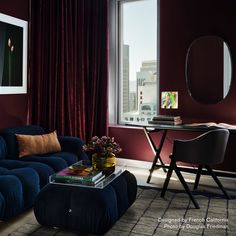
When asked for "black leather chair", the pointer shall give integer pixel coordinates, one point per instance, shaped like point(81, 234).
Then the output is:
point(205, 150)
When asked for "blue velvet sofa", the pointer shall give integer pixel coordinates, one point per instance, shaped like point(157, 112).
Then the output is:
point(22, 178)
point(72, 148)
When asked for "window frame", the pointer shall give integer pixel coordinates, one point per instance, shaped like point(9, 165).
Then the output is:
point(115, 59)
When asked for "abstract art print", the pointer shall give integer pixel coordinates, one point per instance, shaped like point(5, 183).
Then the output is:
point(13, 55)
point(169, 99)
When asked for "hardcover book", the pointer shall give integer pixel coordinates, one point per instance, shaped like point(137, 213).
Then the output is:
point(79, 181)
point(167, 118)
point(165, 122)
point(83, 175)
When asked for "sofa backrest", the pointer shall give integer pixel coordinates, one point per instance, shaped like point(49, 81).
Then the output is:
point(11, 141)
point(3, 149)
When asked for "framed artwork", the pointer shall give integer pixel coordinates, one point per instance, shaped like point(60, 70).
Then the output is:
point(169, 99)
point(13, 55)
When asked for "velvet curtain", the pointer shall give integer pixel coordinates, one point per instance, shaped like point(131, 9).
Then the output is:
point(68, 84)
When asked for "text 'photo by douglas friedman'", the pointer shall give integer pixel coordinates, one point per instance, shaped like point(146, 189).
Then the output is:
point(13, 55)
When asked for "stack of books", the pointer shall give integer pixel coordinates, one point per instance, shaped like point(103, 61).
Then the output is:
point(166, 120)
point(79, 174)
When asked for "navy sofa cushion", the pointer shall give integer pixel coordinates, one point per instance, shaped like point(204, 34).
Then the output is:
point(2, 204)
point(12, 191)
point(43, 170)
point(29, 180)
point(55, 162)
point(68, 157)
point(85, 210)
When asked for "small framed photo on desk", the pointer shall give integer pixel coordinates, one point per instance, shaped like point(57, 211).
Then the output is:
point(169, 99)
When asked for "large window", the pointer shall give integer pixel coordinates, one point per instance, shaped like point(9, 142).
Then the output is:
point(137, 66)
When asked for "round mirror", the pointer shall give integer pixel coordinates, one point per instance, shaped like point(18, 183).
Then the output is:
point(208, 69)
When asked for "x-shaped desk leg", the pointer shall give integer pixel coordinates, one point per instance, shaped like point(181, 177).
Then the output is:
point(157, 151)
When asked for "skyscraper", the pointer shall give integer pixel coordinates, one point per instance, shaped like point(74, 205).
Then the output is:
point(125, 82)
point(146, 88)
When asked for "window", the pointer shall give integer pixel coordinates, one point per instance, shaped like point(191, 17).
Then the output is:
point(136, 65)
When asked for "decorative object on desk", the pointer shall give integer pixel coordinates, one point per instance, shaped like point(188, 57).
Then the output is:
point(166, 120)
point(169, 99)
point(104, 152)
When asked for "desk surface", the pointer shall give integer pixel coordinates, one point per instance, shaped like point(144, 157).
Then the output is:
point(183, 127)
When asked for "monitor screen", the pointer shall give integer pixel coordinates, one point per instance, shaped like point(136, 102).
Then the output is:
point(169, 99)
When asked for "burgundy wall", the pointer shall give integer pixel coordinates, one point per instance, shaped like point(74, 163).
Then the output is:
point(13, 108)
point(182, 21)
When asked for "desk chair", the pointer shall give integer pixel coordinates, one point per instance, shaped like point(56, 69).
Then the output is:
point(205, 150)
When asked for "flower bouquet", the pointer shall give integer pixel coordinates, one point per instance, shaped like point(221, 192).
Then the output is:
point(103, 152)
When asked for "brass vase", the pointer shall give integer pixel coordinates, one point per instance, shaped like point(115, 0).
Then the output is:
point(104, 163)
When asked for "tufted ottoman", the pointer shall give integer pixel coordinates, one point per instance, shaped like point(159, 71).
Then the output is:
point(86, 210)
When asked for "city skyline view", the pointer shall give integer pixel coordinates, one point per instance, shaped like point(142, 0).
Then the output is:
point(139, 32)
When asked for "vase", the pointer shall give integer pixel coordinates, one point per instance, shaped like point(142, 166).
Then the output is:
point(104, 163)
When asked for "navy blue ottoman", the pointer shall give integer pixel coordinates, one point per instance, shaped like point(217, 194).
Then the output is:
point(85, 210)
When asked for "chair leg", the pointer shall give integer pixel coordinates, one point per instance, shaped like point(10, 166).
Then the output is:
point(197, 177)
point(181, 178)
point(167, 180)
point(218, 182)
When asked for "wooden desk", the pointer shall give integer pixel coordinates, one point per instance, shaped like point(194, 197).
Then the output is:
point(157, 161)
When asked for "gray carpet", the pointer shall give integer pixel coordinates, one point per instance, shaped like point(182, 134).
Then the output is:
point(152, 215)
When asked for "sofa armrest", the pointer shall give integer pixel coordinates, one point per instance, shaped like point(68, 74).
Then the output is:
point(73, 145)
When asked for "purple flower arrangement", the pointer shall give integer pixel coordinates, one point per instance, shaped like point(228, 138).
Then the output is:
point(104, 146)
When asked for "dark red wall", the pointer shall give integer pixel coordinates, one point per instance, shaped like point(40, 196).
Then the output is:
point(13, 108)
point(182, 21)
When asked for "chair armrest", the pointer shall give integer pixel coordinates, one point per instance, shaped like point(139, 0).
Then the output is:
point(73, 145)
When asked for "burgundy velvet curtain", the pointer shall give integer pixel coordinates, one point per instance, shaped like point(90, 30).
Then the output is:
point(68, 85)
